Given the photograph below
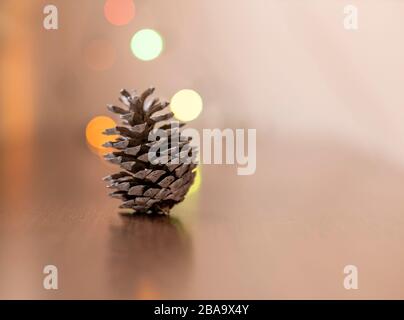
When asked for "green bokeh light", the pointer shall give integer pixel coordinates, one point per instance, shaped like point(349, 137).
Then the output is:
point(146, 44)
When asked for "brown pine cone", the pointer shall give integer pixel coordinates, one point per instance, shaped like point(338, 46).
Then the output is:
point(146, 186)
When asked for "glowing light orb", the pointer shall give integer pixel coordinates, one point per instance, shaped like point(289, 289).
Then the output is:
point(146, 44)
point(94, 131)
point(119, 12)
point(99, 54)
point(197, 182)
point(186, 104)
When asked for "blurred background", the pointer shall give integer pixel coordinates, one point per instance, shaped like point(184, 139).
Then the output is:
point(327, 104)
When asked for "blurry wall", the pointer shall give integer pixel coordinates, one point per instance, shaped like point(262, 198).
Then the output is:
point(286, 67)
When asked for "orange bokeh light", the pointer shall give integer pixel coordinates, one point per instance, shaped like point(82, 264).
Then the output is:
point(94, 131)
point(146, 291)
point(119, 12)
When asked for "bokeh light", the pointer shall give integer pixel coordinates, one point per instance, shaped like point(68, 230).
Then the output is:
point(186, 104)
point(99, 54)
point(197, 182)
point(146, 44)
point(94, 130)
point(119, 12)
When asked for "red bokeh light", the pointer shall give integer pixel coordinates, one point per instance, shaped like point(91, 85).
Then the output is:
point(119, 12)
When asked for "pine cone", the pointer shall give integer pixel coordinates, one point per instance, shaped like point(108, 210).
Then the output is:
point(146, 186)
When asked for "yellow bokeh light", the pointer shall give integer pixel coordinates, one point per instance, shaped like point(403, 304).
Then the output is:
point(94, 131)
point(197, 182)
point(186, 104)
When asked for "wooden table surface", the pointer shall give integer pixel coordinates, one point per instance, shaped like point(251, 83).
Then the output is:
point(312, 208)
point(314, 205)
